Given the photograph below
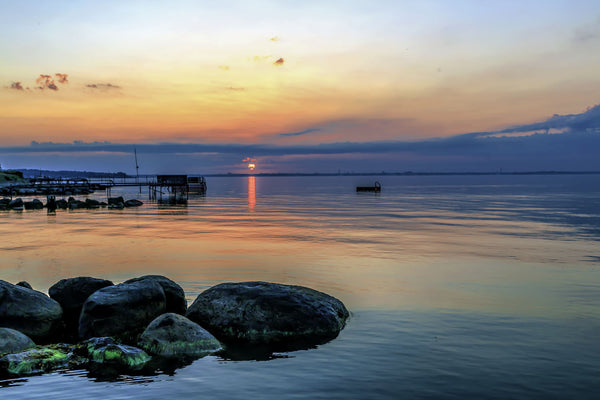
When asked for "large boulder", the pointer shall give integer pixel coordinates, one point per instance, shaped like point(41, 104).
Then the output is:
point(12, 341)
point(122, 310)
point(173, 335)
point(29, 311)
point(268, 313)
point(176, 302)
point(71, 293)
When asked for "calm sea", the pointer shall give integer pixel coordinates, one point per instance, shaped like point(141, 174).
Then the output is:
point(482, 287)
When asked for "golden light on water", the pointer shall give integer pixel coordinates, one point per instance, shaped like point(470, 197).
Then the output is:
point(251, 193)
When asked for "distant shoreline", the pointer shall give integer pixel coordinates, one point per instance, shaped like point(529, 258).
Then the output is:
point(411, 173)
point(110, 175)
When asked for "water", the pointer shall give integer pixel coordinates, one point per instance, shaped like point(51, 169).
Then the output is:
point(459, 286)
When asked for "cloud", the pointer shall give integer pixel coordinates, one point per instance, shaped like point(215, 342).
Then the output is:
point(224, 67)
point(304, 132)
point(47, 82)
point(275, 39)
point(574, 148)
point(236, 89)
point(588, 120)
point(279, 62)
point(587, 33)
point(43, 81)
point(261, 58)
point(466, 144)
point(102, 86)
point(74, 143)
point(62, 78)
point(16, 86)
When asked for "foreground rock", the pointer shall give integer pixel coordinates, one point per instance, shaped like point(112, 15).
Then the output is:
point(268, 313)
point(105, 351)
point(173, 335)
point(122, 310)
point(39, 360)
point(71, 293)
point(29, 311)
point(12, 341)
point(176, 302)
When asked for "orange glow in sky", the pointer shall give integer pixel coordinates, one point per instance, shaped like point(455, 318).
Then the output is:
point(309, 73)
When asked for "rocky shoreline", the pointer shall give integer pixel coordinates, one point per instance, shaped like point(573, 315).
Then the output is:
point(71, 203)
point(144, 324)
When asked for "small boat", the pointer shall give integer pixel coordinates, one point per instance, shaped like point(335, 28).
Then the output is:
point(375, 188)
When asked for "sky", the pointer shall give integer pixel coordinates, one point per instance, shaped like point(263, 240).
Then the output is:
point(312, 86)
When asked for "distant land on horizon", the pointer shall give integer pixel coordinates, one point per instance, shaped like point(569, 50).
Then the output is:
point(32, 173)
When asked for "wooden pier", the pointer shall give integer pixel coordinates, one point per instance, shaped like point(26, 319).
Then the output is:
point(177, 186)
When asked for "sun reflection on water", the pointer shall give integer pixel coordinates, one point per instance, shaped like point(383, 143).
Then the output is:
point(251, 193)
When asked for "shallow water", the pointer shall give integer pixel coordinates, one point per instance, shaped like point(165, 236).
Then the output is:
point(460, 286)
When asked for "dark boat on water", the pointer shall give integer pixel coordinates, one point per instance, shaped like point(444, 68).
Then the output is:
point(375, 188)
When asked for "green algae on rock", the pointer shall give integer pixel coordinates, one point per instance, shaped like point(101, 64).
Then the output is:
point(38, 361)
point(105, 351)
point(173, 335)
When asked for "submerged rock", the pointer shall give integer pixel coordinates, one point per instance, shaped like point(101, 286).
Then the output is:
point(268, 313)
point(12, 341)
point(122, 310)
point(173, 335)
point(71, 293)
point(29, 311)
point(175, 296)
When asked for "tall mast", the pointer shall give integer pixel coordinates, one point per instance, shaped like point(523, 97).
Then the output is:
point(137, 169)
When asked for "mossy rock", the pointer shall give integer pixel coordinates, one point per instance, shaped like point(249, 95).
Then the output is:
point(105, 351)
point(39, 360)
point(173, 335)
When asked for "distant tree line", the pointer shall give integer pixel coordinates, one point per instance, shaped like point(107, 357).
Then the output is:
point(35, 173)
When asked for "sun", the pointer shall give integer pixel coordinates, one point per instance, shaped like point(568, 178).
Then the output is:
point(251, 166)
